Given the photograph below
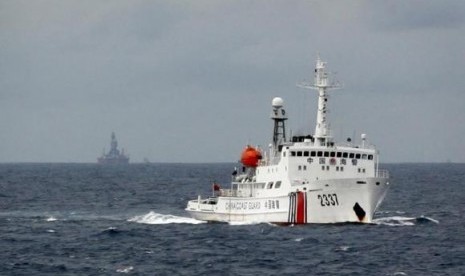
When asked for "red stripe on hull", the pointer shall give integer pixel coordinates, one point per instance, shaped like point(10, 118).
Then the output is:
point(301, 204)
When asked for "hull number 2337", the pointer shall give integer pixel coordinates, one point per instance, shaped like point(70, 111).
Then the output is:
point(328, 200)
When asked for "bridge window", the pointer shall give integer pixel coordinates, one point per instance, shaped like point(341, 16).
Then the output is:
point(339, 154)
point(370, 157)
point(306, 153)
point(278, 184)
point(299, 153)
point(319, 153)
point(357, 156)
point(351, 155)
point(326, 154)
point(332, 154)
point(364, 156)
point(345, 155)
point(292, 153)
point(270, 185)
point(312, 153)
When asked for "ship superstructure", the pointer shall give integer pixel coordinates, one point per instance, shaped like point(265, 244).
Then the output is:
point(114, 156)
point(306, 179)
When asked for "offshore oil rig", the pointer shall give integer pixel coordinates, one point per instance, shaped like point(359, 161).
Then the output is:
point(114, 156)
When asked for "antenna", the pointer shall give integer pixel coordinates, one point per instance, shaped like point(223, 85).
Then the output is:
point(322, 83)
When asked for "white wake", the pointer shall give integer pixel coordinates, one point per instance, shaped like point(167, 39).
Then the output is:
point(403, 221)
point(156, 218)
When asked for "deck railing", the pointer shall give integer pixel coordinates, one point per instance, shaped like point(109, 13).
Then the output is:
point(235, 193)
point(228, 193)
point(270, 161)
point(382, 173)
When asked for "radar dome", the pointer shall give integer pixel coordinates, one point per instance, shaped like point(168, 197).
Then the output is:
point(277, 102)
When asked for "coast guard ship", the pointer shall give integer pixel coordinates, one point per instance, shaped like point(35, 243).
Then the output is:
point(114, 156)
point(305, 179)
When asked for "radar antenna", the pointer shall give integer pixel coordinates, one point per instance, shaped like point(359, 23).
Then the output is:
point(279, 130)
point(322, 83)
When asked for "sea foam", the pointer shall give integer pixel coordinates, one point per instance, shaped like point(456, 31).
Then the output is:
point(125, 269)
point(52, 218)
point(156, 218)
point(403, 221)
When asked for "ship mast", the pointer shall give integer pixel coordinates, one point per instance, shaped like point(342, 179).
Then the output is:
point(322, 84)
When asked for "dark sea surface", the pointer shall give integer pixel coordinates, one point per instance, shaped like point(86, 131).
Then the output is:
point(86, 219)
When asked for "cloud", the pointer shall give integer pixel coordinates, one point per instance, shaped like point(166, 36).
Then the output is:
point(415, 15)
point(174, 79)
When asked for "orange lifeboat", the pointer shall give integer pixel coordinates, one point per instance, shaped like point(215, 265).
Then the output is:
point(250, 157)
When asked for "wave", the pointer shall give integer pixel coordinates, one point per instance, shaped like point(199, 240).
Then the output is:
point(125, 269)
point(238, 223)
point(156, 218)
point(111, 231)
point(404, 221)
point(343, 248)
point(424, 219)
point(389, 212)
point(51, 218)
point(59, 216)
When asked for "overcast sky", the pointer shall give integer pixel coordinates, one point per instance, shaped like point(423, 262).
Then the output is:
point(192, 81)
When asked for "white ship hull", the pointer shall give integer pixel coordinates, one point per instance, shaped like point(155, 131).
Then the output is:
point(329, 201)
point(307, 179)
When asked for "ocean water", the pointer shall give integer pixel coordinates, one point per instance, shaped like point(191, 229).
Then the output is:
point(85, 219)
